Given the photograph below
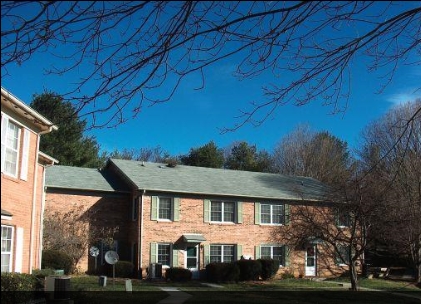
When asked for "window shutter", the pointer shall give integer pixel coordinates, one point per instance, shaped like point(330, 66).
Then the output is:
point(287, 256)
point(287, 214)
point(206, 250)
point(257, 252)
point(174, 256)
point(176, 209)
point(154, 253)
point(206, 211)
point(239, 250)
point(25, 155)
point(239, 212)
point(257, 213)
point(154, 210)
point(19, 250)
point(4, 123)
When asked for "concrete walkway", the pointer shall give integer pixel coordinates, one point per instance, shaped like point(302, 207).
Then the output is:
point(175, 296)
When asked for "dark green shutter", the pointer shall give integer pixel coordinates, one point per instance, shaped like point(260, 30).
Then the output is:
point(257, 252)
point(206, 250)
point(154, 253)
point(174, 256)
point(239, 212)
point(176, 209)
point(257, 213)
point(154, 208)
point(239, 251)
point(287, 214)
point(206, 211)
point(287, 254)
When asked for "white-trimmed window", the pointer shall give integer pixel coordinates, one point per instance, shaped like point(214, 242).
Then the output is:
point(135, 208)
point(274, 252)
point(10, 139)
point(343, 218)
point(271, 214)
point(342, 254)
point(165, 208)
point(221, 253)
point(164, 254)
point(6, 248)
point(222, 211)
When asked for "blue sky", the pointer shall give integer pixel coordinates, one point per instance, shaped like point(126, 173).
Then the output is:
point(194, 117)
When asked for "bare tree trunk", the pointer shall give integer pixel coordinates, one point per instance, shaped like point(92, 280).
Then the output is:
point(419, 261)
point(354, 276)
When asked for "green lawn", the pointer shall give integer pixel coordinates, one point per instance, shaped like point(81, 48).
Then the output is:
point(87, 290)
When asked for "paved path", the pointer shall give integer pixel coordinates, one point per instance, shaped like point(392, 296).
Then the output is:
point(175, 296)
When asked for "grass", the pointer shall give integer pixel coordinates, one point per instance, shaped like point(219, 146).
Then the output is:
point(86, 289)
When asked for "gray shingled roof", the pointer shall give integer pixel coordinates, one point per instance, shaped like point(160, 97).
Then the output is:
point(209, 181)
point(80, 178)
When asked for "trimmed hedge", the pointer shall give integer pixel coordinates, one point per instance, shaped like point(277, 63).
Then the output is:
point(223, 272)
point(17, 287)
point(57, 260)
point(242, 270)
point(269, 268)
point(124, 269)
point(250, 270)
point(178, 274)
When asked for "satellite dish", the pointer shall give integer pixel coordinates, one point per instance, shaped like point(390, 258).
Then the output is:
point(94, 251)
point(111, 257)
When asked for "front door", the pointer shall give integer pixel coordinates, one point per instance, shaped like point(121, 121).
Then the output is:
point(311, 261)
point(192, 260)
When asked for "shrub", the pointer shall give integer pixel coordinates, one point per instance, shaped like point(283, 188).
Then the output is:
point(57, 260)
point(124, 269)
point(223, 272)
point(17, 287)
point(42, 273)
point(178, 274)
point(287, 275)
point(249, 269)
point(269, 268)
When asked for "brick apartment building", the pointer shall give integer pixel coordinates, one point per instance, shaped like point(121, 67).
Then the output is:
point(22, 184)
point(183, 216)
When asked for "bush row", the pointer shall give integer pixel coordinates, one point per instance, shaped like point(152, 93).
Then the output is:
point(242, 270)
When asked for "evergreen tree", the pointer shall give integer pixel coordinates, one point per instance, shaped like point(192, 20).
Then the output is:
point(68, 144)
point(208, 155)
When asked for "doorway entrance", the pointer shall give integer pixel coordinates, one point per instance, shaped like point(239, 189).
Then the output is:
point(311, 261)
point(192, 260)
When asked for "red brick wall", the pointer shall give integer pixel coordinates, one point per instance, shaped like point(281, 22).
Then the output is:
point(17, 198)
point(110, 210)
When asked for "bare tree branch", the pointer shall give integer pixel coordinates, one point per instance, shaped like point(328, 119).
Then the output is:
point(126, 50)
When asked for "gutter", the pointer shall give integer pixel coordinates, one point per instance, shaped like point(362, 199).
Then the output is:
point(140, 246)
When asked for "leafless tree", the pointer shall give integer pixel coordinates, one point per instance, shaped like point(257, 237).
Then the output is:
point(71, 231)
point(128, 49)
point(392, 156)
point(156, 154)
point(314, 154)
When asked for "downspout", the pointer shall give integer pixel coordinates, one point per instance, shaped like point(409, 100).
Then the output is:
point(34, 199)
point(41, 230)
point(34, 203)
point(141, 233)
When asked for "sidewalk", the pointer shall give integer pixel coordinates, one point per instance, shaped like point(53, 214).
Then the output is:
point(175, 296)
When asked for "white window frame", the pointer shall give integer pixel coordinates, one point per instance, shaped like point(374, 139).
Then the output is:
point(341, 250)
point(169, 254)
point(158, 207)
point(10, 253)
point(5, 147)
point(223, 211)
point(282, 262)
point(222, 252)
point(135, 208)
point(272, 214)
